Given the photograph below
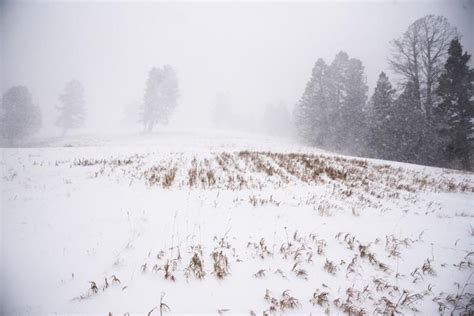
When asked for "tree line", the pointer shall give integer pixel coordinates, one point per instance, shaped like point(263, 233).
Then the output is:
point(20, 117)
point(427, 120)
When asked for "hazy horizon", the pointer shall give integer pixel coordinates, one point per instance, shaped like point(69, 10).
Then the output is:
point(257, 53)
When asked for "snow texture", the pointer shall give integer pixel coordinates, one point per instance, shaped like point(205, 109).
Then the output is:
point(276, 228)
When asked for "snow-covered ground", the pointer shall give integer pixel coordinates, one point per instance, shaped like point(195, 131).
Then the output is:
point(276, 228)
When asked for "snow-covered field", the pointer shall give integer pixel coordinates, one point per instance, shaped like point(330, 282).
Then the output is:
point(212, 223)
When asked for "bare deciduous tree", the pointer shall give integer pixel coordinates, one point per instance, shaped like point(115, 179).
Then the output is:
point(405, 59)
point(436, 35)
point(419, 54)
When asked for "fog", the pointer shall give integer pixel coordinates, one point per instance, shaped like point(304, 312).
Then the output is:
point(236, 157)
point(255, 53)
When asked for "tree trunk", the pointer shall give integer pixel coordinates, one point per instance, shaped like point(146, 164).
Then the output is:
point(418, 93)
point(429, 100)
point(416, 73)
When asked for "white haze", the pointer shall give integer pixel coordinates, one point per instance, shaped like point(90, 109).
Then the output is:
point(257, 53)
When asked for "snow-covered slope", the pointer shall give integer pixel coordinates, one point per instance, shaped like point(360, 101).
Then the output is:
point(216, 223)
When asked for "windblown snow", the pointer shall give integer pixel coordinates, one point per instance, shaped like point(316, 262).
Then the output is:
point(212, 223)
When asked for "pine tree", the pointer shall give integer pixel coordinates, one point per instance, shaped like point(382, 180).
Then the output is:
point(354, 116)
point(456, 110)
point(335, 120)
point(330, 114)
point(151, 100)
point(406, 126)
point(311, 111)
point(19, 117)
point(381, 102)
point(161, 97)
point(169, 94)
point(72, 109)
point(345, 118)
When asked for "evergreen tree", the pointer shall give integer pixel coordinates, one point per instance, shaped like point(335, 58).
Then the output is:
point(169, 94)
point(311, 115)
point(161, 97)
point(19, 118)
point(330, 114)
point(381, 102)
point(456, 110)
point(354, 116)
point(335, 120)
point(149, 116)
point(345, 118)
point(72, 109)
point(406, 126)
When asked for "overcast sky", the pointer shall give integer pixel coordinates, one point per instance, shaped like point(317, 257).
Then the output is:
point(256, 52)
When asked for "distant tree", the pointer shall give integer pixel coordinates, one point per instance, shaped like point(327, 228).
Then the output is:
point(456, 110)
point(169, 93)
point(19, 117)
point(354, 116)
point(406, 127)
point(72, 108)
point(330, 114)
point(346, 102)
point(380, 133)
point(311, 113)
point(418, 56)
point(151, 99)
point(335, 121)
point(161, 97)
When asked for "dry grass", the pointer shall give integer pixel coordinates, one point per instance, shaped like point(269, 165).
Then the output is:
point(460, 303)
point(221, 265)
point(388, 307)
point(260, 273)
point(330, 267)
point(286, 302)
point(163, 307)
point(353, 179)
point(320, 298)
point(259, 201)
point(260, 248)
point(427, 268)
point(196, 264)
point(169, 268)
point(115, 279)
point(93, 287)
point(379, 293)
point(169, 177)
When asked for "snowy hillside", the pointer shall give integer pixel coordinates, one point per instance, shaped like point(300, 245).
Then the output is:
point(219, 224)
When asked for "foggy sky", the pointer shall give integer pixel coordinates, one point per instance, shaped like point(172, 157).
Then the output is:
point(256, 52)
